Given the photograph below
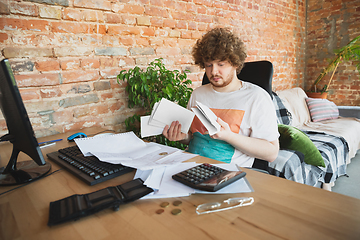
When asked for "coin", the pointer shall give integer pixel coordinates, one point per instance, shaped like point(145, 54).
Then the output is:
point(159, 211)
point(164, 204)
point(176, 211)
point(163, 153)
point(177, 203)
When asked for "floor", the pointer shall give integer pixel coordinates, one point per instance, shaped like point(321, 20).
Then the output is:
point(350, 185)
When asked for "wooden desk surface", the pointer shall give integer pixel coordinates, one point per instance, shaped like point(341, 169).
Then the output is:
point(282, 210)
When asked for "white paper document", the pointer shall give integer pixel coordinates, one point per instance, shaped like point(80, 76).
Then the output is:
point(207, 118)
point(162, 156)
point(129, 150)
point(127, 144)
point(164, 113)
point(149, 130)
point(168, 187)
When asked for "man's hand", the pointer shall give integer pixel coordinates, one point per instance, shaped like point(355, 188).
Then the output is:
point(173, 133)
point(224, 132)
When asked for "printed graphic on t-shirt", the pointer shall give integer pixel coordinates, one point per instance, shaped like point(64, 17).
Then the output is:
point(231, 116)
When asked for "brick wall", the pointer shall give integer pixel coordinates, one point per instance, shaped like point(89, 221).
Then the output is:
point(66, 54)
point(331, 25)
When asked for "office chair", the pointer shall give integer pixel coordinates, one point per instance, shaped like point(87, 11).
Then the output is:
point(259, 73)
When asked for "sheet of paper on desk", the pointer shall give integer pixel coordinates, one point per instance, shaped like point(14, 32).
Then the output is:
point(162, 156)
point(164, 113)
point(126, 145)
point(163, 186)
point(171, 188)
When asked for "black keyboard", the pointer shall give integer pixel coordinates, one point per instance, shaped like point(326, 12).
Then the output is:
point(88, 169)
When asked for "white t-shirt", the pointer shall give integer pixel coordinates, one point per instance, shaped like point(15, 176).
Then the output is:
point(248, 111)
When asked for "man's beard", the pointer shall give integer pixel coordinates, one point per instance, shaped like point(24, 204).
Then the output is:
point(226, 82)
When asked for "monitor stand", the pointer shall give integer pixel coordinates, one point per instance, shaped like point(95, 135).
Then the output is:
point(21, 172)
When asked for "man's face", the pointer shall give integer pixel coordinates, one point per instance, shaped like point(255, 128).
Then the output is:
point(220, 73)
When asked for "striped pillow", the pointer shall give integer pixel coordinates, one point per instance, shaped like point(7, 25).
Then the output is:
point(321, 109)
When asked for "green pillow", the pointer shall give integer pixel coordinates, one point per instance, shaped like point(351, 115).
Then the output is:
point(294, 139)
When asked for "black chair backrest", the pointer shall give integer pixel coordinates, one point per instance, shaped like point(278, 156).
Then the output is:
point(258, 72)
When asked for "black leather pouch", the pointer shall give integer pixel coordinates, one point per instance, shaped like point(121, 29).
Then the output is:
point(77, 206)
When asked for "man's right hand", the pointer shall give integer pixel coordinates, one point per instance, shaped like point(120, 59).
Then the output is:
point(173, 133)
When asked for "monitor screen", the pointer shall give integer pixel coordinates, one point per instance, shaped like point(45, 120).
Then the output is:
point(20, 134)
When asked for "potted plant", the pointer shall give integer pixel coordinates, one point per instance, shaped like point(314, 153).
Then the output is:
point(350, 52)
point(146, 87)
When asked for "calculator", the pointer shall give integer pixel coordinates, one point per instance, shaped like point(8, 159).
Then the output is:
point(207, 177)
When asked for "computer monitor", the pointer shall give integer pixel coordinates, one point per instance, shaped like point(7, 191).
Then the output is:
point(20, 134)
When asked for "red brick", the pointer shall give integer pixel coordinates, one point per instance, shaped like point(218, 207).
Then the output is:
point(123, 30)
point(3, 37)
point(69, 27)
point(128, 20)
point(116, 106)
point(127, 41)
point(149, 31)
point(168, 51)
point(107, 62)
point(71, 14)
point(75, 126)
point(24, 9)
point(23, 24)
point(132, 9)
point(29, 94)
point(203, 18)
point(170, 23)
point(169, 4)
point(157, 3)
point(201, 9)
point(157, 22)
point(185, 34)
point(142, 42)
point(94, 4)
point(50, 92)
point(100, 109)
point(47, 65)
point(90, 63)
point(35, 80)
point(93, 16)
point(110, 73)
point(100, 29)
point(191, 8)
point(70, 64)
point(112, 18)
point(156, 11)
point(79, 76)
point(181, 25)
point(106, 96)
point(208, 3)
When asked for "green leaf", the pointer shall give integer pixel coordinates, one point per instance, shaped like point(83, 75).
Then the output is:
point(146, 87)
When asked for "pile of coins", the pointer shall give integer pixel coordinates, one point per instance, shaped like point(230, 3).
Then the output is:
point(175, 211)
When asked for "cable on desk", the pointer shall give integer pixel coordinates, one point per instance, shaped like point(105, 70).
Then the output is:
point(29, 182)
point(108, 130)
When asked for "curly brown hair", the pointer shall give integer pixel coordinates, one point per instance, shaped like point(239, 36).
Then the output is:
point(220, 44)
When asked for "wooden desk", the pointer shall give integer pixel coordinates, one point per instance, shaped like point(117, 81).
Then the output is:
point(282, 210)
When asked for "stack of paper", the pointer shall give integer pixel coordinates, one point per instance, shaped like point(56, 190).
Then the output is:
point(164, 186)
point(164, 113)
point(129, 150)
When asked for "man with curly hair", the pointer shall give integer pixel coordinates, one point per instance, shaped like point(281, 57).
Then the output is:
point(244, 110)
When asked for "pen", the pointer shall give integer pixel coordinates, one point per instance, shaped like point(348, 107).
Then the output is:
point(46, 144)
point(50, 141)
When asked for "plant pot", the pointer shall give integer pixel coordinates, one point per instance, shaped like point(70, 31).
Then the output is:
point(317, 95)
